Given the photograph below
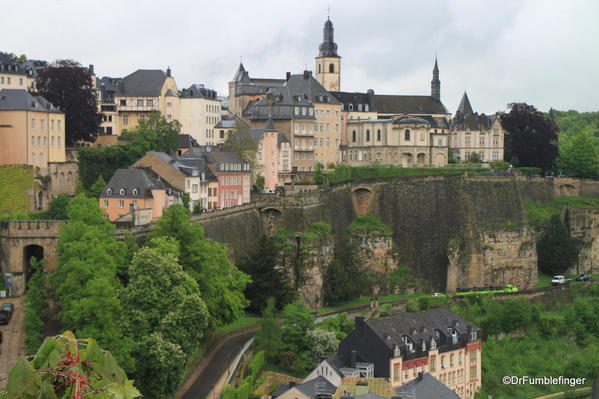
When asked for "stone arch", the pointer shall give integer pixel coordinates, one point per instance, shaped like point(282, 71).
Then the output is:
point(568, 190)
point(407, 158)
point(421, 159)
point(362, 198)
point(269, 216)
point(31, 251)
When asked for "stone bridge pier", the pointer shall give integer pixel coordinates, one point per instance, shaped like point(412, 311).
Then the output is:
point(23, 239)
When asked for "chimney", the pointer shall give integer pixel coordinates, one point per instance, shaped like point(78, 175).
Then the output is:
point(168, 72)
point(354, 358)
point(91, 69)
point(306, 74)
point(358, 321)
point(288, 76)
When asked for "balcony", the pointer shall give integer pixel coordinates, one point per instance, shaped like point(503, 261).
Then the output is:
point(309, 148)
point(304, 134)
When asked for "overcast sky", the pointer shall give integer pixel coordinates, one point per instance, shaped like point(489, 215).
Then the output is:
point(545, 53)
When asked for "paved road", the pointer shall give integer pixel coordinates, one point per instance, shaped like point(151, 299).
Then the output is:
point(13, 344)
point(217, 367)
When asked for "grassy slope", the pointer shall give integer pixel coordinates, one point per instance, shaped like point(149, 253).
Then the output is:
point(15, 180)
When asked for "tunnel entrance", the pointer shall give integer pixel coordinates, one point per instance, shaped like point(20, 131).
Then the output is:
point(31, 251)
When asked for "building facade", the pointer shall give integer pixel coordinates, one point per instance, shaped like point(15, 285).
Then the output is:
point(273, 157)
point(472, 133)
point(199, 113)
point(32, 130)
point(399, 348)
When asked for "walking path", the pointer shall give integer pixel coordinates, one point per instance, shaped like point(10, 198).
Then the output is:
point(13, 344)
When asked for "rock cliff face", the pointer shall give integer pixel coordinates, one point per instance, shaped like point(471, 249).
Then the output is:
point(494, 258)
point(585, 227)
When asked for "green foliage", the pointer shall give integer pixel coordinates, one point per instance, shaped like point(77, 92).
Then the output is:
point(268, 280)
point(538, 213)
point(154, 134)
point(324, 343)
point(557, 250)
point(474, 158)
point(197, 209)
point(96, 189)
point(162, 307)
point(221, 283)
point(15, 216)
point(185, 200)
point(260, 183)
point(36, 307)
point(500, 165)
point(85, 281)
point(345, 174)
point(427, 302)
point(451, 157)
point(340, 325)
point(15, 181)
point(572, 123)
point(295, 327)
point(65, 367)
point(241, 143)
point(318, 176)
point(104, 161)
point(345, 278)
point(268, 338)
point(59, 207)
point(369, 224)
point(579, 157)
point(529, 171)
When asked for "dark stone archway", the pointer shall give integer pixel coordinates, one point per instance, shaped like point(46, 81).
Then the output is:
point(31, 251)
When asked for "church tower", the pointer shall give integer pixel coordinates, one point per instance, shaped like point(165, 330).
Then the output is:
point(328, 63)
point(436, 83)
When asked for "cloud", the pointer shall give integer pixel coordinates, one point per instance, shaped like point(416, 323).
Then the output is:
point(544, 53)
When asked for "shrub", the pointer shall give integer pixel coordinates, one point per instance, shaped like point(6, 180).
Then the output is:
point(501, 165)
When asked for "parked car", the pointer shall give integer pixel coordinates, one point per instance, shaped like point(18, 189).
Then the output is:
point(438, 294)
point(8, 307)
point(4, 317)
point(584, 277)
point(560, 280)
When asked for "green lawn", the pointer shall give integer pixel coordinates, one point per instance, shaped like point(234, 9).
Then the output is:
point(15, 180)
point(544, 280)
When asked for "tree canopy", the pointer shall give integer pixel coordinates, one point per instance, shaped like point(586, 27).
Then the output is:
point(68, 86)
point(154, 134)
point(531, 136)
point(221, 283)
point(557, 251)
point(579, 157)
point(241, 143)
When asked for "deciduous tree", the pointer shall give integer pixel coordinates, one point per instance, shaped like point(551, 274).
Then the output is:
point(68, 86)
point(154, 134)
point(579, 157)
point(531, 136)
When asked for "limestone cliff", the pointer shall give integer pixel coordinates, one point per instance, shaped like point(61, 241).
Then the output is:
point(585, 227)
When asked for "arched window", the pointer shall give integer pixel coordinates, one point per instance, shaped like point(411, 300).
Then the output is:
point(353, 136)
point(367, 135)
point(319, 68)
point(331, 68)
point(360, 107)
point(108, 191)
point(378, 135)
point(407, 135)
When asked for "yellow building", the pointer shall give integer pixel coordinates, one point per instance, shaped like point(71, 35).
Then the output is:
point(199, 113)
point(32, 131)
point(472, 133)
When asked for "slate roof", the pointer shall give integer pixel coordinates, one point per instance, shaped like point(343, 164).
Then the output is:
point(391, 104)
point(411, 120)
point(108, 87)
point(280, 101)
point(465, 118)
point(22, 100)
point(465, 108)
point(418, 326)
point(129, 179)
point(308, 387)
point(10, 66)
point(257, 134)
point(198, 91)
point(428, 388)
point(142, 83)
point(328, 47)
point(187, 141)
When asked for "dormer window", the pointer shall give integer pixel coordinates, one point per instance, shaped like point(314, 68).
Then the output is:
point(366, 107)
point(409, 343)
point(396, 351)
point(311, 110)
point(433, 344)
point(423, 346)
point(122, 191)
point(108, 191)
point(360, 107)
point(134, 191)
point(473, 335)
point(454, 335)
point(350, 107)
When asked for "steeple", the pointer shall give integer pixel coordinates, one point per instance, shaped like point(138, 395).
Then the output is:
point(328, 47)
point(270, 126)
point(465, 108)
point(436, 83)
point(239, 72)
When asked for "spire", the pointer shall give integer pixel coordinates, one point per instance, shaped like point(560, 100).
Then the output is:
point(270, 126)
point(239, 72)
point(465, 108)
point(328, 47)
point(436, 83)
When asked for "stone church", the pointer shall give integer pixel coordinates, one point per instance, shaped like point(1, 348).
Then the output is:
point(329, 126)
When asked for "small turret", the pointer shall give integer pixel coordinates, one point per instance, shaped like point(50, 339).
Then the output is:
point(436, 83)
